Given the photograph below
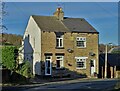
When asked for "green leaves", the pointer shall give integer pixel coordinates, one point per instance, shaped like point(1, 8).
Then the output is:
point(8, 57)
point(26, 70)
point(116, 52)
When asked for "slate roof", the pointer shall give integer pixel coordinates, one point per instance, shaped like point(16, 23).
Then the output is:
point(78, 25)
point(113, 59)
point(51, 23)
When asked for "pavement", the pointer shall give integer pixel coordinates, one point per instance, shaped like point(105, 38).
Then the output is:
point(47, 81)
point(61, 81)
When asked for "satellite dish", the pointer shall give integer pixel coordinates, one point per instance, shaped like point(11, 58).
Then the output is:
point(69, 50)
point(91, 54)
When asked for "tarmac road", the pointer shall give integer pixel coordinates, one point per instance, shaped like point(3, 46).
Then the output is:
point(93, 85)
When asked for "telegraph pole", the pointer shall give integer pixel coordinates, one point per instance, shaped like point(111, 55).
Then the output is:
point(106, 62)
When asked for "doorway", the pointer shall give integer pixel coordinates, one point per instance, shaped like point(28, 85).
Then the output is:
point(92, 67)
point(48, 67)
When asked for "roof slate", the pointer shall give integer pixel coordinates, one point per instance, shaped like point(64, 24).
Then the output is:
point(78, 25)
point(51, 23)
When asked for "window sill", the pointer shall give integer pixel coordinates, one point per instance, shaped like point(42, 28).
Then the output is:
point(60, 68)
point(59, 47)
point(81, 47)
point(81, 68)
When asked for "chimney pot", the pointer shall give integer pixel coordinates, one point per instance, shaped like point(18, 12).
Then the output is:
point(59, 14)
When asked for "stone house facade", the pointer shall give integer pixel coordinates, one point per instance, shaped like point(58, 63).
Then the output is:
point(58, 45)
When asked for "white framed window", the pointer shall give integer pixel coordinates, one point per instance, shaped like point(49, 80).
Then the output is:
point(59, 62)
point(81, 42)
point(59, 41)
point(81, 62)
point(48, 57)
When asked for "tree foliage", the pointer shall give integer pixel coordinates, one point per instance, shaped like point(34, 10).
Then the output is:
point(116, 52)
point(103, 46)
point(9, 60)
point(11, 39)
point(8, 57)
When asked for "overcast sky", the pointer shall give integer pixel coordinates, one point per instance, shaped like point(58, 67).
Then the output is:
point(102, 16)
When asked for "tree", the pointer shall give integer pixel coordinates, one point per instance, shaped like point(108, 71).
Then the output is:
point(8, 57)
point(11, 39)
point(102, 48)
point(116, 52)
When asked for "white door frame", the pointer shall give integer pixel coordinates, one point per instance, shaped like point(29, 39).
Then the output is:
point(46, 66)
point(92, 67)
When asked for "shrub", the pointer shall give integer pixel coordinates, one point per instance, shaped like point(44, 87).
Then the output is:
point(25, 69)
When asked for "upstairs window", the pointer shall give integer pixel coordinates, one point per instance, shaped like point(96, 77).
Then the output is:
point(81, 42)
point(59, 40)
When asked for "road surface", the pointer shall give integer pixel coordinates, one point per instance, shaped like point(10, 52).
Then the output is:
point(97, 85)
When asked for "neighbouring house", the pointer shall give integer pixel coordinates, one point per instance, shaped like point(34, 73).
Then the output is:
point(115, 50)
point(113, 65)
point(57, 45)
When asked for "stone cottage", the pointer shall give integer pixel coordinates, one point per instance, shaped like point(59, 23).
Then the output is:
point(58, 45)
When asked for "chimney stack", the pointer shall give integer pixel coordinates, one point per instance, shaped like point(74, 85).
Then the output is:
point(59, 14)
